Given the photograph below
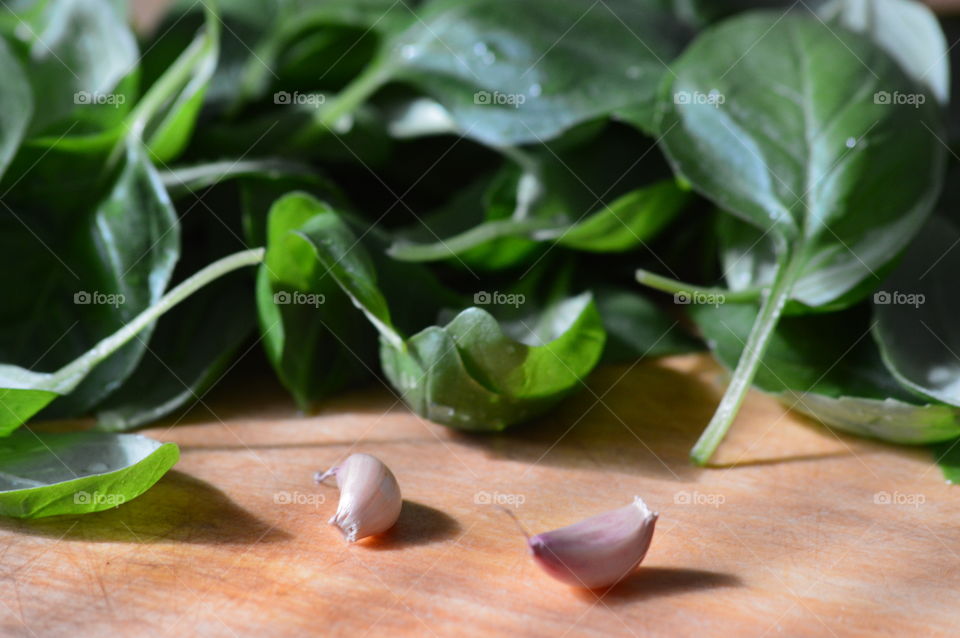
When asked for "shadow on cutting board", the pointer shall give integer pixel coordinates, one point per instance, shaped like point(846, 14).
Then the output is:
point(418, 525)
point(644, 419)
point(178, 509)
point(653, 582)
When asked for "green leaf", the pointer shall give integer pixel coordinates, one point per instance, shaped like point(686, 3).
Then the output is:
point(25, 392)
point(470, 375)
point(315, 340)
point(916, 310)
point(129, 250)
point(164, 118)
point(520, 72)
point(841, 186)
point(49, 474)
point(827, 366)
point(16, 106)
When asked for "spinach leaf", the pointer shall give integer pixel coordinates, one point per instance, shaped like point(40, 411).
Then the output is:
point(49, 474)
point(778, 120)
point(916, 310)
point(16, 106)
point(827, 367)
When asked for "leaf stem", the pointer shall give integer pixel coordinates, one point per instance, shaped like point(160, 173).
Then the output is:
point(770, 310)
point(66, 378)
point(675, 286)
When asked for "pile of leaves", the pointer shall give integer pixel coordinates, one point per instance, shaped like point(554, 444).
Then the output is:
point(477, 200)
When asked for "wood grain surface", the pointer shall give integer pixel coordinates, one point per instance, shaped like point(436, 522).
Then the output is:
point(810, 534)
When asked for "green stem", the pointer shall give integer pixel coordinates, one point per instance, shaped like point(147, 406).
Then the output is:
point(68, 377)
point(750, 358)
point(674, 286)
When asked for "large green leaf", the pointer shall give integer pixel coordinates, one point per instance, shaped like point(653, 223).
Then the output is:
point(814, 135)
point(49, 474)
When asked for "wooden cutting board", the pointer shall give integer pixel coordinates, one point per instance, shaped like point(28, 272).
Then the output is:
point(811, 534)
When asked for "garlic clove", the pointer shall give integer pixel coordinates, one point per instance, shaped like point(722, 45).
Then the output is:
point(598, 551)
point(370, 499)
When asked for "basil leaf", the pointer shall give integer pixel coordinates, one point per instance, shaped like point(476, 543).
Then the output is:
point(915, 310)
point(50, 474)
point(315, 340)
point(25, 392)
point(129, 249)
point(16, 106)
point(470, 375)
point(519, 72)
point(827, 367)
point(165, 116)
point(843, 184)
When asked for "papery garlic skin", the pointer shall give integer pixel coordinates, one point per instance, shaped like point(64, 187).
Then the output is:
point(598, 551)
point(370, 498)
